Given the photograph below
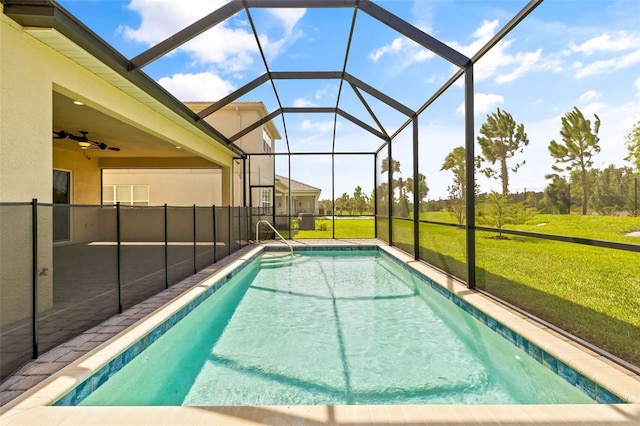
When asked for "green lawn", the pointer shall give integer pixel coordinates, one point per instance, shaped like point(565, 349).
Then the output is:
point(589, 291)
point(345, 228)
point(609, 228)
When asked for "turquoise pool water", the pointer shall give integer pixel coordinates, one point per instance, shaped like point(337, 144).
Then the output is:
point(331, 328)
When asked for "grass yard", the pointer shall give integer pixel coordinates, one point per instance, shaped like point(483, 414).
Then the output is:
point(589, 291)
point(609, 228)
point(345, 228)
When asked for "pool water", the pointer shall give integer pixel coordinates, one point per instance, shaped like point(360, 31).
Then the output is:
point(331, 328)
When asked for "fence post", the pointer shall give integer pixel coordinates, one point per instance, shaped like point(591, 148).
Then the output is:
point(119, 256)
point(246, 223)
point(215, 237)
point(248, 228)
point(635, 191)
point(34, 264)
point(195, 266)
point(166, 248)
point(416, 192)
point(230, 230)
point(239, 228)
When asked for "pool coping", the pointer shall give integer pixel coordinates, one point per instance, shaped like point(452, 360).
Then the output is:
point(33, 406)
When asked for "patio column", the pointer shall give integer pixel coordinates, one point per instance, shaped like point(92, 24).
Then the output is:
point(226, 186)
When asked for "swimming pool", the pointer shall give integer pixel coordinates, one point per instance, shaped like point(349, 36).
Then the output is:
point(357, 357)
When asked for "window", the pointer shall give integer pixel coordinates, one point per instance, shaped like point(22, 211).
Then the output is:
point(265, 197)
point(266, 141)
point(130, 195)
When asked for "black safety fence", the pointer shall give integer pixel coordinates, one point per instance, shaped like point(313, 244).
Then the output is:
point(67, 268)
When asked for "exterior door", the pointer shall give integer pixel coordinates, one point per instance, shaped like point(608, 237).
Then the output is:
point(262, 208)
point(61, 206)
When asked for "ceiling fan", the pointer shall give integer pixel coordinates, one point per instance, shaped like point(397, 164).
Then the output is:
point(83, 141)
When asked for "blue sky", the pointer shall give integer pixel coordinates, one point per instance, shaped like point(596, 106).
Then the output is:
point(583, 53)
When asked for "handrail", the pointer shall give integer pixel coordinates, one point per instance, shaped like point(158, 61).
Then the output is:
point(274, 230)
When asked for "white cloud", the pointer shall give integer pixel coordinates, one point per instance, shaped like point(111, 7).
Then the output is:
point(288, 17)
point(330, 90)
point(606, 43)
point(302, 102)
point(603, 44)
point(637, 85)
point(317, 126)
point(394, 46)
point(411, 51)
point(230, 45)
point(526, 61)
point(609, 65)
point(590, 95)
point(482, 103)
point(593, 108)
point(486, 30)
point(616, 121)
point(497, 62)
point(196, 87)
point(160, 19)
point(481, 36)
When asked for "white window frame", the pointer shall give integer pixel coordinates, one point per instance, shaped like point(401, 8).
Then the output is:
point(265, 197)
point(266, 142)
point(132, 201)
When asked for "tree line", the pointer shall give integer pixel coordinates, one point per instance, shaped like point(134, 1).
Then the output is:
point(573, 180)
point(606, 191)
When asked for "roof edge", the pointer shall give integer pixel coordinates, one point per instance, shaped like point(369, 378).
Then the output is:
point(50, 15)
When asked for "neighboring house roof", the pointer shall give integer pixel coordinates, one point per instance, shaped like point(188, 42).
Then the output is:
point(197, 106)
point(295, 185)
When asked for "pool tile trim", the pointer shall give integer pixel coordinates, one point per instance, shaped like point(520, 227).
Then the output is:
point(553, 352)
point(572, 376)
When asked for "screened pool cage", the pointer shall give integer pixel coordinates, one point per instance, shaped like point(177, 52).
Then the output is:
point(184, 240)
point(400, 226)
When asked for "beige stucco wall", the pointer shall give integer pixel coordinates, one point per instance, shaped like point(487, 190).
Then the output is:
point(25, 170)
point(30, 71)
point(85, 175)
point(175, 187)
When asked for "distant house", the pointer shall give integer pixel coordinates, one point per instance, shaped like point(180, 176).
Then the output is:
point(230, 120)
point(304, 197)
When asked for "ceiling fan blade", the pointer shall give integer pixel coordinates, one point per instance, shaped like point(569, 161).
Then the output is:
point(62, 134)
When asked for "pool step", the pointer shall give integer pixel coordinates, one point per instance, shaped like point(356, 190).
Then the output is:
point(277, 260)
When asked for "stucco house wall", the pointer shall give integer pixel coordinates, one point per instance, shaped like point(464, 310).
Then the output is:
point(32, 68)
point(175, 187)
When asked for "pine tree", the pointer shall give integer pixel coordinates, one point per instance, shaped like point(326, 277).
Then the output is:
point(501, 139)
point(579, 145)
